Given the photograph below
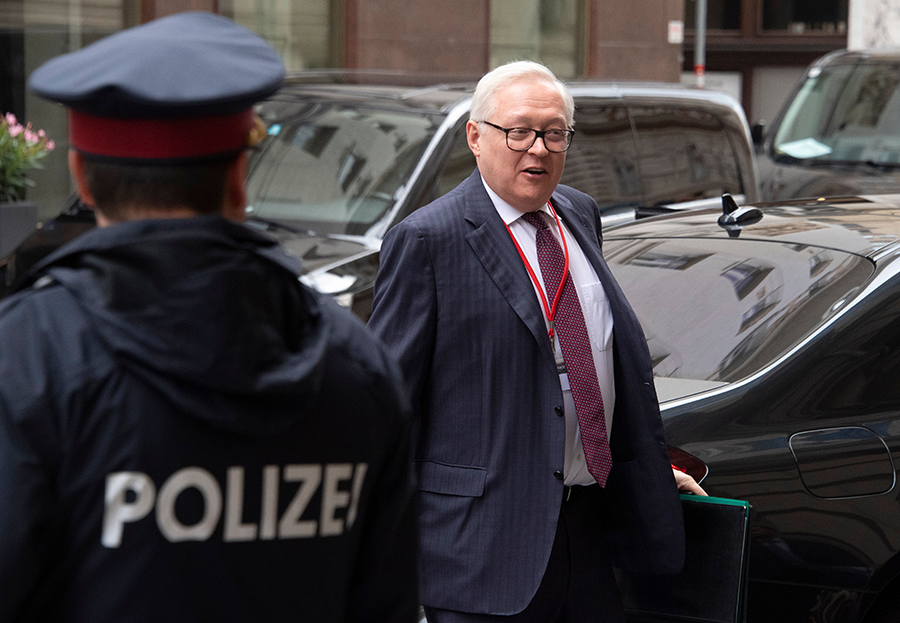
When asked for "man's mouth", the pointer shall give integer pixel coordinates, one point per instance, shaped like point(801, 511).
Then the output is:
point(534, 171)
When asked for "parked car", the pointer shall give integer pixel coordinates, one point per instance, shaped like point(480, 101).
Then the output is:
point(839, 132)
point(349, 155)
point(776, 356)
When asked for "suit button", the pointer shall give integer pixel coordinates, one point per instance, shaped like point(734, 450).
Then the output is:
point(558, 475)
point(559, 411)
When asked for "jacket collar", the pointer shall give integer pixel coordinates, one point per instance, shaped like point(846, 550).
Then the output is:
point(212, 227)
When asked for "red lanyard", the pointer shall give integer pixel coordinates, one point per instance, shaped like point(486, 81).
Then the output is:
point(549, 310)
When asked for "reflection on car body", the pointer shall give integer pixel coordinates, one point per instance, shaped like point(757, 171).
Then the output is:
point(777, 357)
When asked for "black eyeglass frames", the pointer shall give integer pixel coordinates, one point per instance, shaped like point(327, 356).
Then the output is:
point(521, 139)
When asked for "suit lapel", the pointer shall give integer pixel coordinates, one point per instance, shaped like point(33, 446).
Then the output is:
point(491, 243)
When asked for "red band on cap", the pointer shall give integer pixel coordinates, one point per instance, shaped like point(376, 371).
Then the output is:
point(158, 139)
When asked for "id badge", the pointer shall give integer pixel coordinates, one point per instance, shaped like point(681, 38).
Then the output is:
point(563, 374)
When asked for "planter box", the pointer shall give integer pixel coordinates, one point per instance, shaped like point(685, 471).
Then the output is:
point(18, 219)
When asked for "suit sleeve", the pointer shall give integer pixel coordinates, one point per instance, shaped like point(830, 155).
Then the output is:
point(598, 223)
point(405, 305)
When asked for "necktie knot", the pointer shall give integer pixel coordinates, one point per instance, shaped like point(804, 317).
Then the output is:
point(535, 219)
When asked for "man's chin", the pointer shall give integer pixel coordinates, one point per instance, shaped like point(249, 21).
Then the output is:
point(530, 202)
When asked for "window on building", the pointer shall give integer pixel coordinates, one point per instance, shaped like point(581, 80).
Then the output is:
point(307, 34)
point(549, 31)
point(31, 33)
point(802, 16)
point(720, 14)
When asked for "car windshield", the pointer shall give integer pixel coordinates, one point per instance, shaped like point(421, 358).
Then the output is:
point(717, 311)
point(845, 113)
point(335, 169)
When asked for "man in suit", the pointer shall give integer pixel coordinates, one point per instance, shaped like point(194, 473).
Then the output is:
point(540, 453)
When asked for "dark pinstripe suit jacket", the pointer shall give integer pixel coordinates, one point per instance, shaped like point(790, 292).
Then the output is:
point(454, 304)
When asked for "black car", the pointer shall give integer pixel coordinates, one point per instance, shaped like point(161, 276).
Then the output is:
point(349, 155)
point(776, 352)
point(839, 132)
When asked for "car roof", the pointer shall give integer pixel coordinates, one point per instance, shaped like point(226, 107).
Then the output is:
point(853, 57)
point(442, 92)
point(866, 225)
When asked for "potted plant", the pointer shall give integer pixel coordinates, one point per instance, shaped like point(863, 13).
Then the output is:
point(21, 149)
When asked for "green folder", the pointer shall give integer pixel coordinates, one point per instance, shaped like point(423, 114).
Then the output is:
point(712, 586)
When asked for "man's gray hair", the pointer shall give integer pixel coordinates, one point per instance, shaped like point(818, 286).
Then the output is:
point(484, 104)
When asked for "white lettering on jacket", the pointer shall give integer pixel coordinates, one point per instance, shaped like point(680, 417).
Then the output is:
point(130, 496)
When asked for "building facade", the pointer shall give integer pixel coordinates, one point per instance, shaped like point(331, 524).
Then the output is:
point(765, 45)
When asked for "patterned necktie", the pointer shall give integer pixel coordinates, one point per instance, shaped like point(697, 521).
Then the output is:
point(576, 349)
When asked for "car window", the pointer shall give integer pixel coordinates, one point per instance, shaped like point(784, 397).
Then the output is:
point(602, 161)
point(457, 166)
point(684, 154)
point(844, 113)
point(716, 311)
point(336, 169)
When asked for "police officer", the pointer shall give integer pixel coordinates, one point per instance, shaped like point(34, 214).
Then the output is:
point(186, 432)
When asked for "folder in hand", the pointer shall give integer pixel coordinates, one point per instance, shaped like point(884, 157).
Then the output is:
point(711, 587)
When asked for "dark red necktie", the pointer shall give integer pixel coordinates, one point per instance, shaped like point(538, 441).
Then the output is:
point(576, 349)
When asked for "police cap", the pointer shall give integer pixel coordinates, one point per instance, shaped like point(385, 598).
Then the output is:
point(178, 88)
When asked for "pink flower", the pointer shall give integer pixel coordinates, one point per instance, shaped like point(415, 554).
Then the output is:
point(22, 148)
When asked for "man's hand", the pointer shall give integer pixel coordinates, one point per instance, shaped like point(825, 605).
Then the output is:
point(686, 483)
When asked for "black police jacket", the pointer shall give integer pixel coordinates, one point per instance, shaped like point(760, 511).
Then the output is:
point(189, 434)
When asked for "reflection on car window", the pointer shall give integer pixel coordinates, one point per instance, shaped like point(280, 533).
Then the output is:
point(715, 312)
point(845, 113)
point(459, 164)
point(684, 154)
point(335, 169)
point(601, 160)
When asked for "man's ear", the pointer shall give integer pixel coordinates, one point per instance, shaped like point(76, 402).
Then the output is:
point(76, 168)
point(473, 136)
point(235, 207)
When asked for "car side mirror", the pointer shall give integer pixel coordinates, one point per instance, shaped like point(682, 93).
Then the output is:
point(758, 132)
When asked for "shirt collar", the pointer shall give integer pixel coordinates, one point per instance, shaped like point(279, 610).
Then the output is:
point(508, 213)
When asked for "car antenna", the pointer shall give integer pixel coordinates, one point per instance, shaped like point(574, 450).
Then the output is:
point(734, 218)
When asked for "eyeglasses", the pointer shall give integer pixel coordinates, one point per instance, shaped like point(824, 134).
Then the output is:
point(521, 139)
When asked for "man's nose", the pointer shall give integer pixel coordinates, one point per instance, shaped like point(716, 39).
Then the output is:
point(538, 147)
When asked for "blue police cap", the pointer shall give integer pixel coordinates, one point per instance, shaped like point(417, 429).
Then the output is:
point(180, 87)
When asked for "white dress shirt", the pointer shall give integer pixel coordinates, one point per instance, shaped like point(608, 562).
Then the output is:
point(597, 318)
